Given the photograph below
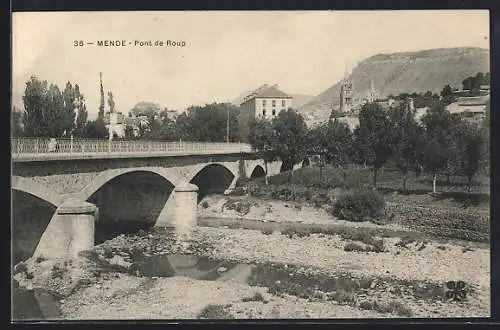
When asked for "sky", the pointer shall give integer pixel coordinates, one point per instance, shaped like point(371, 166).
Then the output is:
point(226, 52)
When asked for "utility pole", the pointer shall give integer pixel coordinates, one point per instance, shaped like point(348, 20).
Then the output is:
point(227, 126)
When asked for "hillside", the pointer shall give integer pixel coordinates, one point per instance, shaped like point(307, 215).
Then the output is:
point(403, 72)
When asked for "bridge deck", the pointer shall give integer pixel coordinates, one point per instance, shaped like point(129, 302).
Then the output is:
point(27, 150)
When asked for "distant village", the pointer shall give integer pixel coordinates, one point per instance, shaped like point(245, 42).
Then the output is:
point(267, 101)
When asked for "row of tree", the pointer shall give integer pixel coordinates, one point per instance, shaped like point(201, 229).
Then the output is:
point(440, 143)
point(48, 112)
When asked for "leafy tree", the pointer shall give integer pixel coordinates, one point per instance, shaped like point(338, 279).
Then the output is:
point(290, 129)
point(16, 124)
point(317, 142)
point(407, 142)
point(208, 123)
point(263, 139)
point(74, 106)
point(95, 129)
point(48, 112)
point(447, 95)
point(111, 102)
point(129, 133)
point(339, 143)
point(470, 144)
point(373, 137)
point(438, 140)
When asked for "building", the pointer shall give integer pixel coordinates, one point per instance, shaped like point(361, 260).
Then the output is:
point(346, 95)
point(114, 122)
point(472, 108)
point(263, 103)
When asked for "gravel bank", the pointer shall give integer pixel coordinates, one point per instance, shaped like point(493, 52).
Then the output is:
point(128, 297)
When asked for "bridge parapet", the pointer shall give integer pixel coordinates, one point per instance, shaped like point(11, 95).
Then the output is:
point(33, 149)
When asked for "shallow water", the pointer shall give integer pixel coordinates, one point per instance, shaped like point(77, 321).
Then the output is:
point(38, 304)
point(35, 304)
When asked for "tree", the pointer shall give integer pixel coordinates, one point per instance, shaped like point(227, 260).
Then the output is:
point(339, 143)
point(74, 106)
point(470, 146)
point(263, 139)
point(447, 95)
point(111, 102)
point(290, 129)
point(48, 112)
point(373, 137)
point(17, 123)
point(438, 140)
point(95, 129)
point(407, 142)
point(209, 123)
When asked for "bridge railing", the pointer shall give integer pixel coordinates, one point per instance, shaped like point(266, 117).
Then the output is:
point(47, 146)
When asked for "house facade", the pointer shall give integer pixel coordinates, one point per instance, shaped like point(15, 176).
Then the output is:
point(472, 108)
point(263, 103)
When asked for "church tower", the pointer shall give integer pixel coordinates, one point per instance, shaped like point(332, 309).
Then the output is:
point(372, 94)
point(346, 94)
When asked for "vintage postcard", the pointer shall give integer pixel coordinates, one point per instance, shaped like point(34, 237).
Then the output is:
point(250, 165)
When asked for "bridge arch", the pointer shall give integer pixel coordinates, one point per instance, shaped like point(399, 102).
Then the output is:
point(258, 172)
point(306, 162)
point(32, 211)
point(128, 199)
point(109, 175)
point(212, 178)
point(40, 191)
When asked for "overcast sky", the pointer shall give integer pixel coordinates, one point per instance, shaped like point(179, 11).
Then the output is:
point(226, 53)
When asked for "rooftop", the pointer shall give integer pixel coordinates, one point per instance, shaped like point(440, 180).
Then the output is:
point(266, 91)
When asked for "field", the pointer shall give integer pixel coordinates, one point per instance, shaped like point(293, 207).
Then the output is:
point(277, 251)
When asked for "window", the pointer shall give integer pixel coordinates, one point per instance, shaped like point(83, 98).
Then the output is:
point(283, 103)
point(263, 103)
point(274, 112)
point(264, 112)
point(274, 103)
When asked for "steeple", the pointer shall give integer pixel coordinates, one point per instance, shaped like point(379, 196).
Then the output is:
point(101, 104)
point(346, 93)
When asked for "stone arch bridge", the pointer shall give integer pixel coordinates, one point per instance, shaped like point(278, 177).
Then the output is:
point(125, 185)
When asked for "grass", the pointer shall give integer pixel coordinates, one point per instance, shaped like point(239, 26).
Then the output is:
point(393, 306)
point(341, 287)
point(256, 297)
point(346, 232)
point(405, 241)
point(215, 312)
point(57, 271)
point(353, 246)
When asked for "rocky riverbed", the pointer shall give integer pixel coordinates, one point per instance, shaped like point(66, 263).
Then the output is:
point(277, 274)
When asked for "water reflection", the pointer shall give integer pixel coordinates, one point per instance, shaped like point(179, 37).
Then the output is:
point(33, 304)
point(200, 268)
point(38, 304)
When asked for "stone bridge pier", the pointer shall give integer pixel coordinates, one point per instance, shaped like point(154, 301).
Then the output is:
point(89, 201)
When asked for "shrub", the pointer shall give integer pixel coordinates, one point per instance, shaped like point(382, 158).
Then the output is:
point(212, 312)
point(205, 204)
point(393, 306)
point(375, 245)
point(256, 297)
point(353, 246)
point(360, 205)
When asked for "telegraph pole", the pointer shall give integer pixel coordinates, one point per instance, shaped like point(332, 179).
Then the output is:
point(227, 126)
